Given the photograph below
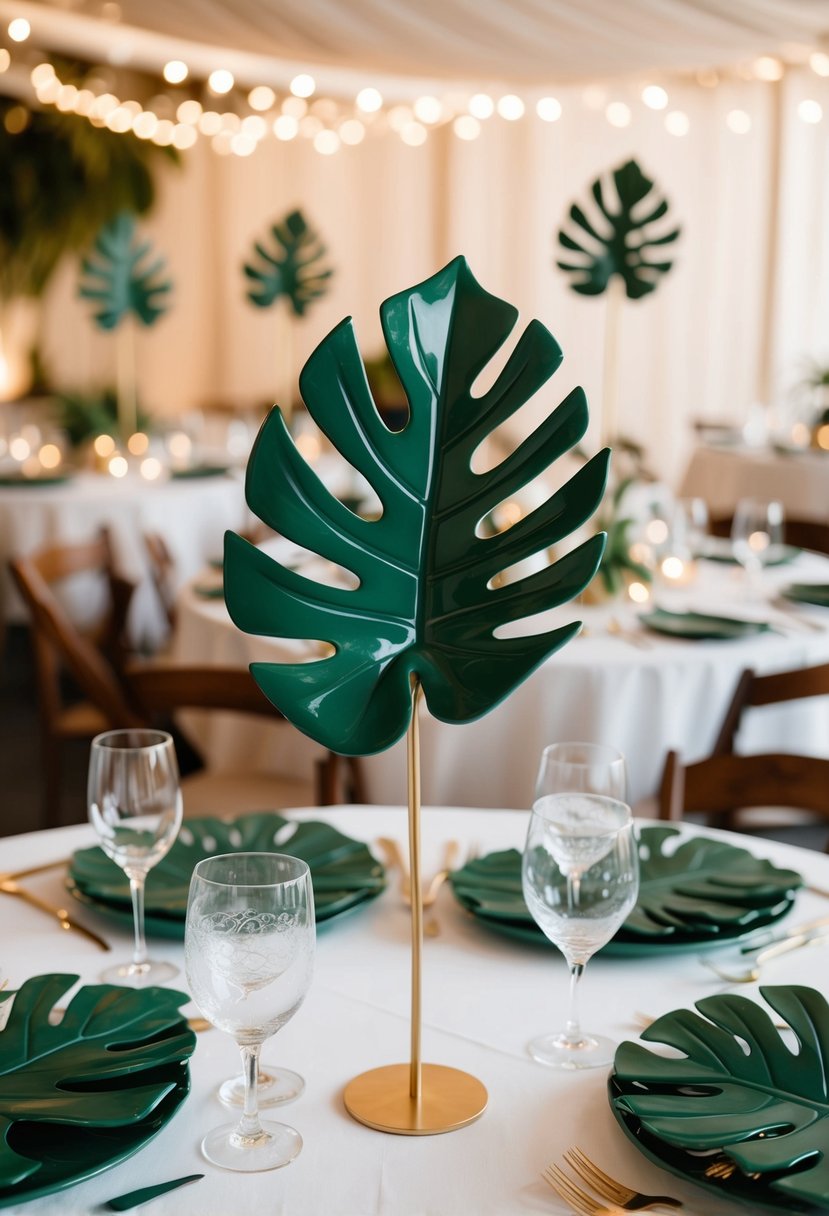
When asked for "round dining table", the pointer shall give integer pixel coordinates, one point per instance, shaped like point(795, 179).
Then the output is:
point(796, 477)
point(484, 996)
point(616, 684)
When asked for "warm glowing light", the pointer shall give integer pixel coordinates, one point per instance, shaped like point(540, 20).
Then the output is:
point(738, 121)
point(231, 122)
point(210, 123)
point(49, 455)
point(220, 82)
point(242, 145)
point(30, 467)
point(428, 110)
point(303, 85)
point(654, 97)
point(326, 142)
point(104, 446)
point(5, 59)
point(369, 100)
point(65, 100)
point(84, 102)
point(481, 106)
point(810, 111)
point(639, 593)
point(175, 71)
point(656, 531)
point(819, 63)
point(509, 514)
point(189, 111)
point(261, 98)
point(466, 127)
point(163, 136)
point(104, 106)
point(255, 126)
point(179, 445)
point(399, 117)
point(295, 107)
point(138, 443)
point(19, 29)
point(548, 108)
point(120, 120)
point(150, 468)
point(285, 127)
point(767, 68)
point(352, 131)
point(618, 114)
point(144, 126)
point(677, 123)
point(801, 434)
point(221, 143)
point(822, 437)
point(510, 106)
point(308, 446)
point(673, 567)
point(413, 134)
point(118, 466)
point(42, 74)
point(758, 542)
point(19, 448)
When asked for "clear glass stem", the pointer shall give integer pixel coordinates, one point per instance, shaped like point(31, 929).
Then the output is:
point(139, 952)
point(572, 1029)
point(250, 1127)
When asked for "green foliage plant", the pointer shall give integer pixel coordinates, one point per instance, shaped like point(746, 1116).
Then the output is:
point(292, 267)
point(120, 280)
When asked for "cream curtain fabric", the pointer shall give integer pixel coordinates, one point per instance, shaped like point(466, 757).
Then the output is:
point(732, 324)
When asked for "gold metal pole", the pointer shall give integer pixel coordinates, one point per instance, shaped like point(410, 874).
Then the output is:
point(610, 364)
point(413, 775)
point(126, 389)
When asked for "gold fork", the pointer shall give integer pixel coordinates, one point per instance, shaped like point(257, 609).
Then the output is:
point(609, 1188)
point(579, 1200)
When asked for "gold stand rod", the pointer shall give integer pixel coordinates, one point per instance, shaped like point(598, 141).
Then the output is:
point(413, 775)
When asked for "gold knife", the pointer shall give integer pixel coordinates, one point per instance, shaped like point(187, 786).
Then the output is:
point(9, 887)
point(30, 871)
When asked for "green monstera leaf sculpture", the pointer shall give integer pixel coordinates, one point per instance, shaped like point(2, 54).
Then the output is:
point(619, 239)
point(424, 606)
point(292, 269)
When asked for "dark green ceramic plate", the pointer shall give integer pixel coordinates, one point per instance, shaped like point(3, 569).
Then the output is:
point(131, 1049)
point(343, 871)
point(210, 591)
point(200, 470)
point(808, 593)
point(53, 479)
point(700, 626)
point(694, 892)
point(720, 549)
point(735, 1097)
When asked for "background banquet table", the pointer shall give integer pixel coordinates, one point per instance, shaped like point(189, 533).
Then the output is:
point(191, 513)
point(642, 698)
point(484, 996)
point(724, 475)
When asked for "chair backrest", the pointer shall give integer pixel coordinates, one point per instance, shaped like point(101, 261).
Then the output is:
point(781, 686)
point(162, 570)
point(803, 533)
point(58, 643)
point(719, 785)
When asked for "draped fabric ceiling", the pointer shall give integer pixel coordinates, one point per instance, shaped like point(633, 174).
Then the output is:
point(732, 324)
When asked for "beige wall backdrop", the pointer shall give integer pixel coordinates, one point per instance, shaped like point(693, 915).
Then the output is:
point(746, 303)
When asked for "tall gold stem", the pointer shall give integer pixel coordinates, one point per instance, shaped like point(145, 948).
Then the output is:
point(610, 371)
point(126, 388)
point(413, 772)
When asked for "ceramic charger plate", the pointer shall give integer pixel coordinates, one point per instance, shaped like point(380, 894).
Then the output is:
point(343, 871)
point(700, 626)
point(808, 593)
point(737, 1107)
point(91, 1089)
point(695, 893)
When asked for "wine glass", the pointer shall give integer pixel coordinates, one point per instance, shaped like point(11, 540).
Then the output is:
point(249, 956)
point(756, 534)
point(591, 768)
point(135, 808)
point(580, 877)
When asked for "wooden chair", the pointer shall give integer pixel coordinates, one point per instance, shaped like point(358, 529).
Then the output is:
point(802, 533)
point(721, 785)
point(160, 690)
point(59, 647)
point(162, 572)
point(753, 691)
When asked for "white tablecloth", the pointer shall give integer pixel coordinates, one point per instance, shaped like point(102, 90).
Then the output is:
point(722, 476)
point(484, 997)
point(191, 514)
point(600, 688)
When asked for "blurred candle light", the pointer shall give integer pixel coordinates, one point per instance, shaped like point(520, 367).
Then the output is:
point(179, 446)
point(801, 434)
point(19, 29)
point(104, 445)
point(49, 455)
point(639, 593)
point(138, 443)
point(308, 446)
point(19, 448)
point(654, 97)
point(656, 531)
point(30, 466)
point(118, 466)
point(150, 468)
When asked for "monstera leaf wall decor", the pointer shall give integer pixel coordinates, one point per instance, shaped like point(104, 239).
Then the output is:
point(125, 282)
point(615, 252)
point(425, 612)
point(292, 269)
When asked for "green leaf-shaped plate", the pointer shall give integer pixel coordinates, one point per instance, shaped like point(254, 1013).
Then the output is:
point(721, 549)
point(737, 1091)
point(703, 892)
point(200, 470)
point(809, 593)
point(80, 1096)
point(50, 479)
point(343, 871)
point(699, 626)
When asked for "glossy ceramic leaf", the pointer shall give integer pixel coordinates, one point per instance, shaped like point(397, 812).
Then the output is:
point(292, 267)
point(702, 890)
point(121, 277)
point(808, 593)
point(618, 238)
point(343, 871)
point(114, 1056)
point(425, 603)
point(739, 1087)
point(700, 626)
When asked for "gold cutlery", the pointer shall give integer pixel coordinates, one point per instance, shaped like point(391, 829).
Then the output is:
point(30, 871)
point(395, 859)
point(10, 887)
point(451, 857)
point(751, 973)
point(609, 1188)
point(616, 629)
point(583, 1202)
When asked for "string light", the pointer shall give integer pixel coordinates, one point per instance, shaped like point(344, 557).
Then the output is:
point(303, 85)
point(618, 114)
point(654, 97)
point(481, 106)
point(369, 100)
point(819, 63)
point(220, 82)
point(261, 98)
point(19, 29)
point(466, 126)
point(738, 121)
point(548, 109)
point(510, 106)
point(175, 72)
point(810, 111)
point(677, 123)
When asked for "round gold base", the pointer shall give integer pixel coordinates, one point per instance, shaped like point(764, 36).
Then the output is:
point(449, 1099)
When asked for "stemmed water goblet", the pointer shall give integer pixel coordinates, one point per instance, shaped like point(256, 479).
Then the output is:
point(756, 535)
point(135, 807)
point(591, 768)
point(249, 952)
